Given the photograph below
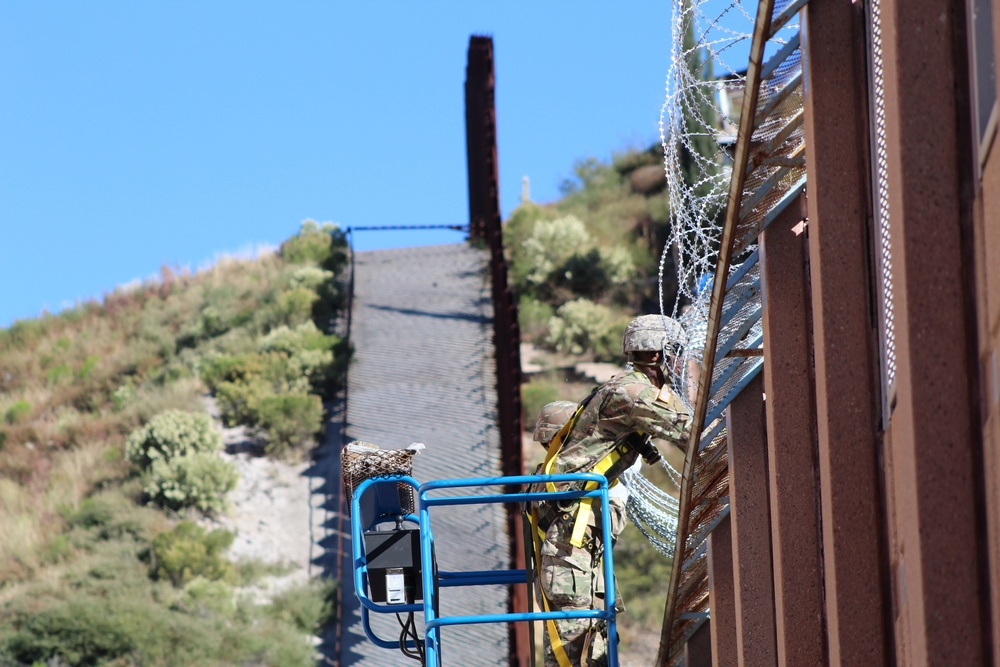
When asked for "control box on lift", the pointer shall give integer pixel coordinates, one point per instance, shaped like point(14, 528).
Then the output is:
point(394, 571)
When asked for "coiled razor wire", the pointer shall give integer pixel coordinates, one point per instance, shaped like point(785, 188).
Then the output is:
point(698, 125)
point(652, 510)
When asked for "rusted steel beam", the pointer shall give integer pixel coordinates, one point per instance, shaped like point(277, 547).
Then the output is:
point(751, 525)
point(722, 598)
point(844, 351)
point(791, 443)
point(485, 228)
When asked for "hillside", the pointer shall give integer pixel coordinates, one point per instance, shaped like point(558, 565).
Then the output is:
point(110, 464)
point(147, 440)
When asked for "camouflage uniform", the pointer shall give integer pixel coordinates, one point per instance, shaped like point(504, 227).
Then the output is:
point(571, 577)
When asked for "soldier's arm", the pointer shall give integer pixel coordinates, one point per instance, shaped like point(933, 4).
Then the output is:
point(658, 418)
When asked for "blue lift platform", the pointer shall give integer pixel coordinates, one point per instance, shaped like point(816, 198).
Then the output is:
point(374, 504)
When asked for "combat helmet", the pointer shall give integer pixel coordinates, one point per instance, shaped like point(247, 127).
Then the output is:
point(654, 333)
point(552, 418)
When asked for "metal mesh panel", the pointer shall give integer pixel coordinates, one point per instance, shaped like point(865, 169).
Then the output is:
point(881, 208)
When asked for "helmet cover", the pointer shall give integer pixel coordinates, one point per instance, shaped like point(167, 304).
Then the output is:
point(552, 418)
point(653, 333)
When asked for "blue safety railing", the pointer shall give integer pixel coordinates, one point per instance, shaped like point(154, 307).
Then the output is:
point(433, 580)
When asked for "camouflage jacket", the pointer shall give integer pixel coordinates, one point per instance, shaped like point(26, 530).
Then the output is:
point(627, 403)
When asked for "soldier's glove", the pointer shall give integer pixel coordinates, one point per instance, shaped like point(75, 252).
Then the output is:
point(644, 445)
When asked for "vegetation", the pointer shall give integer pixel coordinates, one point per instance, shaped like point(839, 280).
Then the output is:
point(108, 459)
point(583, 266)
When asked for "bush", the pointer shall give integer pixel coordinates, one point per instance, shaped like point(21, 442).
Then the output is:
point(172, 434)
point(238, 401)
point(203, 596)
point(312, 244)
point(198, 480)
point(310, 277)
point(82, 634)
point(111, 515)
point(188, 551)
point(290, 419)
point(227, 368)
point(581, 325)
point(293, 341)
point(17, 411)
point(308, 608)
point(309, 355)
point(122, 397)
point(550, 245)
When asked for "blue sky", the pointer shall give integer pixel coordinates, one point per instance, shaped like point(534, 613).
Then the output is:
point(140, 134)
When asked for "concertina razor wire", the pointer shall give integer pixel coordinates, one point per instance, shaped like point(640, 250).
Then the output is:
point(698, 131)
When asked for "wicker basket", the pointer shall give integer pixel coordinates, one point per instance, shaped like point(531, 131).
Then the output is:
point(363, 460)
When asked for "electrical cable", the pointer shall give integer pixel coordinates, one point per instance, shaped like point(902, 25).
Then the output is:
point(409, 631)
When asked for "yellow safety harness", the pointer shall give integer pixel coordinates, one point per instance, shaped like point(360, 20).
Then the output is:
point(584, 512)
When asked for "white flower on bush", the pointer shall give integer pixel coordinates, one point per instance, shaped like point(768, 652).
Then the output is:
point(171, 434)
point(551, 243)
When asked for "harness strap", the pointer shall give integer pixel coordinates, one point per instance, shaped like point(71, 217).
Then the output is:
point(550, 625)
point(586, 507)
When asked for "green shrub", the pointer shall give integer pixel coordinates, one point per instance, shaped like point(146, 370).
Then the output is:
point(295, 306)
point(580, 326)
point(550, 245)
point(188, 551)
point(293, 341)
point(309, 355)
point(122, 396)
point(584, 274)
point(111, 515)
point(58, 373)
point(199, 480)
point(310, 277)
point(241, 368)
point(172, 434)
point(82, 634)
point(618, 264)
point(312, 244)
point(17, 411)
point(238, 401)
point(203, 596)
point(87, 367)
point(308, 608)
point(290, 419)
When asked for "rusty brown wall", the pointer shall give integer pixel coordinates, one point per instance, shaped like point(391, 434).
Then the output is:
point(909, 500)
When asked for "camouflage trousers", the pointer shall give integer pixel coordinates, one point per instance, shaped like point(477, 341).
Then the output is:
point(572, 579)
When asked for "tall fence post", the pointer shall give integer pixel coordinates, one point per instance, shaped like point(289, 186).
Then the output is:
point(485, 229)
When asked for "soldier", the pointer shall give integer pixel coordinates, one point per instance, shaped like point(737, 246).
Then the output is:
point(608, 433)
